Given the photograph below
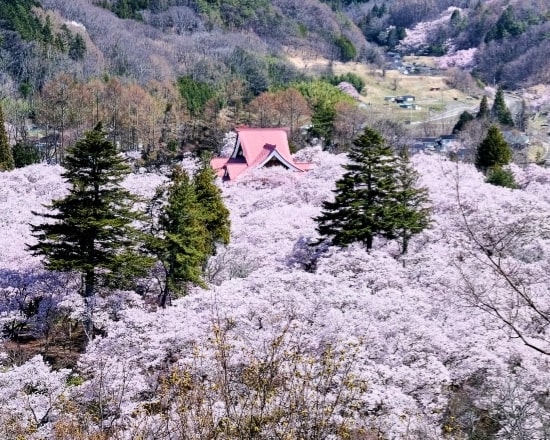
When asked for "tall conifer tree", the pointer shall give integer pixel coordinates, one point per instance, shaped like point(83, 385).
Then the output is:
point(6, 155)
point(91, 229)
point(500, 111)
point(376, 196)
point(493, 150)
point(179, 237)
point(412, 213)
point(359, 211)
point(483, 112)
point(215, 214)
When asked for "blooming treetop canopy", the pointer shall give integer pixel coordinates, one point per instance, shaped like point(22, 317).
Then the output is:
point(423, 344)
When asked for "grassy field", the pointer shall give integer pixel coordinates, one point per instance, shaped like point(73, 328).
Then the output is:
point(440, 105)
point(433, 96)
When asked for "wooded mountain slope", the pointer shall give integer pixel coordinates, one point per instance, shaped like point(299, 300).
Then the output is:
point(157, 39)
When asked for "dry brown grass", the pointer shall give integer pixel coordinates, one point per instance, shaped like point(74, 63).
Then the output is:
point(393, 83)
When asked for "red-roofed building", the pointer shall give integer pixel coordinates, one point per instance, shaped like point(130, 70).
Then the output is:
point(257, 148)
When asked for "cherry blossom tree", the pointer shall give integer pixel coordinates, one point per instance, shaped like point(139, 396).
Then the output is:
point(424, 331)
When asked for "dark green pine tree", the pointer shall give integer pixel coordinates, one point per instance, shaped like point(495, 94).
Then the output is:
point(214, 213)
point(464, 118)
point(179, 238)
point(411, 212)
point(500, 111)
point(493, 150)
point(77, 48)
point(6, 155)
point(499, 176)
point(483, 112)
point(91, 229)
point(365, 196)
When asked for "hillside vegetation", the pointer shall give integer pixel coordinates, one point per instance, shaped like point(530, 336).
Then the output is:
point(508, 38)
point(394, 292)
point(391, 346)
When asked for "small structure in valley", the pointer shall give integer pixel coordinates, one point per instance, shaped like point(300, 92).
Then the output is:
point(257, 148)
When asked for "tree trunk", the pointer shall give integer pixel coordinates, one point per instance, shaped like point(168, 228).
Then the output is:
point(368, 242)
point(165, 296)
point(89, 293)
point(405, 247)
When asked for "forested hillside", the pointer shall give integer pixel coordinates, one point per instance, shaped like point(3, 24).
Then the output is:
point(510, 38)
point(198, 37)
point(397, 289)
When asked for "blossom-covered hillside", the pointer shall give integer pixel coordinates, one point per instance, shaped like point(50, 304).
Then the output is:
point(448, 341)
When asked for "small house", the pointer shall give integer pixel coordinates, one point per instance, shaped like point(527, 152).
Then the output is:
point(445, 140)
point(410, 106)
point(404, 99)
point(427, 143)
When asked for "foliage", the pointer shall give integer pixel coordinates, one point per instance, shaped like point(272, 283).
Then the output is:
point(464, 118)
point(350, 77)
point(499, 176)
point(6, 155)
point(411, 212)
point(281, 108)
point(234, 13)
point(500, 110)
point(483, 112)
point(506, 26)
point(25, 154)
point(77, 48)
point(188, 221)
point(125, 8)
point(252, 68)
point(322, 98)
point(91, 230)
point(195, 94)
point(493, 150)
point(322, 122)
point(178, 236)
point(215, 216)
point(376, 196)
point(18, 16)
point(348, 51)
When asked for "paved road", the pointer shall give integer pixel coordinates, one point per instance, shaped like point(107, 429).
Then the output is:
point(452, 113)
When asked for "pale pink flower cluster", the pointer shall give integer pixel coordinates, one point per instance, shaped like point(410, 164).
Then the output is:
point(464, 59)
point(418, 321)
point(417, 37)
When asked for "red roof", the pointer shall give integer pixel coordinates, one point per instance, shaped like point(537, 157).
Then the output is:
point(254, 148)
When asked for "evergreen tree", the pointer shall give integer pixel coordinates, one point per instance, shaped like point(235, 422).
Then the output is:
point(179, 238)
point(77, 48)
point(493, 150)
point(6, 155)
point(483, 112)
point(376, 196)
point(499, 176)
point(365, 195)
point(411, 213)
point(215, 215)
point(92, 231)
point(24, 154)
point(464, 118)
point(500, 111)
